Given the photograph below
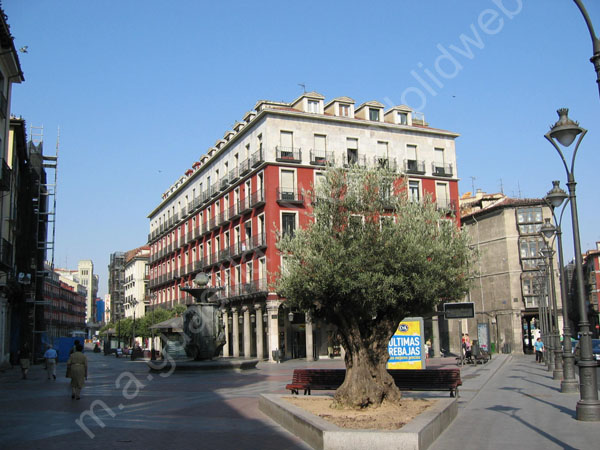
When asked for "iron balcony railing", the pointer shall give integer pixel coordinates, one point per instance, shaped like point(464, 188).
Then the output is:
point(245, 167)
point(322, 158)
point(289, 195)
point(446, 205)
point(250, 288)
point(234, 174)
point(441, 170)
point(288, 154)
point(414, 166)
point(214, 189)
point(355, 160)
point(224, 182)
point(257, 158)
point(257, 198)
point(245, 205)
point(382, 162)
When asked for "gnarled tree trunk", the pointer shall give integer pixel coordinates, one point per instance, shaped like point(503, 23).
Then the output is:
point(367, 381)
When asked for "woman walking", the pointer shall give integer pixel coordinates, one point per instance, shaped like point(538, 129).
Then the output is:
point(77, 370)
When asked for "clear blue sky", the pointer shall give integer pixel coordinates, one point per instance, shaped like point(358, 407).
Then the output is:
point(142, 88)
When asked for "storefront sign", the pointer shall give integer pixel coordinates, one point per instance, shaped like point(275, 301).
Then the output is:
point(406, 348)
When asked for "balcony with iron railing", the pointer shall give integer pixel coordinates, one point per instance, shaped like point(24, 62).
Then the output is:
point(257, 158)
point(224, 254)
point(234, 175)
point(257, 198)
point(441, 169)
point(213, 223)
point(225, 216)
point(355, 160)
point(322, 158)
point(251, 288)
point(414, 166)
point(245, 167)
point(245, 205)
point(224, 182)
point(383, 162)
point(214, 189)
point(288, 154)
point(446, 205)
point(290, 196)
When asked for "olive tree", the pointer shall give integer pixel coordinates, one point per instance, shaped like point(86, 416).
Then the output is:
point(369, 258)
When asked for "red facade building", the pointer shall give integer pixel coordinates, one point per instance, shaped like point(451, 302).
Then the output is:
point(224, 215)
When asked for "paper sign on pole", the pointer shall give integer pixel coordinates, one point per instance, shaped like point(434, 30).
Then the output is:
point(406, 347)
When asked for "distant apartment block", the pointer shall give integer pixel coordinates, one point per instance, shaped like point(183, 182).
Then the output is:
point(136, 279)
point(508, 287)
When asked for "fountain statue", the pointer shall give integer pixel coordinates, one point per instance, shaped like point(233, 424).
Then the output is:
point(202, 325)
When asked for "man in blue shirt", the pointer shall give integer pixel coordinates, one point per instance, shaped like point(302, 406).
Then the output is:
point(539, 348)
point(51, 357)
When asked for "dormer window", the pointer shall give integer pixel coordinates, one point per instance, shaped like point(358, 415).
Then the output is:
point(402, 118)
point(345, 110)
point(374, 114)
point(313, 106)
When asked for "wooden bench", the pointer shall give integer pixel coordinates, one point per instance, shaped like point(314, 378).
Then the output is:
point(406, 380)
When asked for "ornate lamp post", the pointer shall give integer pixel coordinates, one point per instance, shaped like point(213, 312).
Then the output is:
point(152, 352)
point(548, 254)
point(555, 197)
point(565, 131)
point(595, 59)
point(134, 303)
point(546, 316)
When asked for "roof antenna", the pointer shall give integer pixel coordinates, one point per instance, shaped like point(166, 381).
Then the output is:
point(303, 86)
point(473, 186)
point(501, 187)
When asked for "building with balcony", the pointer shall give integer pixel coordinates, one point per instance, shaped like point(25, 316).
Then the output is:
point(115, 308)
point(67, 305)
point(136, 279)
point(508, 287)
point(223, 215)
point(13, 159)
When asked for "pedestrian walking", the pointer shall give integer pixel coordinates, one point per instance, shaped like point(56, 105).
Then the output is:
point(539, 348)
point(51, 357)
point(24, 360)
point(77, 370)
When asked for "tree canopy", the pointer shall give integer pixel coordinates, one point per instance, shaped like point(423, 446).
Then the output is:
point(369, 258)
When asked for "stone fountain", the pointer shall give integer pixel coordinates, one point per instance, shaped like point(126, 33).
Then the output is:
point(202, 326)
point(202, 336)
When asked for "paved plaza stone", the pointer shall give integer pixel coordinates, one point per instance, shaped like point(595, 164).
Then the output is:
point(509, 401)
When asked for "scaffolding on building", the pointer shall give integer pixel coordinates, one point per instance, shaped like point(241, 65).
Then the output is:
point(44, 205)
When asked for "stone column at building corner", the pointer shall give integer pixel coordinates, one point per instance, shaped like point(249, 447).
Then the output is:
point(273, 320)
point(260, 355)
point(247, 332)
point(235, 335)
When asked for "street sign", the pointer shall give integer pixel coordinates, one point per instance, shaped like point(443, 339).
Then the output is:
point(465, 310)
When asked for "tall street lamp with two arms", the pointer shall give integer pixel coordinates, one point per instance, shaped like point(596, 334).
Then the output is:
point(565, 131)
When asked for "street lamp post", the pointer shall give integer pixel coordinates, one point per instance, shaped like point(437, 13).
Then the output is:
point(595, 59)
point(588, 407)
point(548, 254)
point(546, 317)
point(152, 352)
point(555, 197)
point(134, 303)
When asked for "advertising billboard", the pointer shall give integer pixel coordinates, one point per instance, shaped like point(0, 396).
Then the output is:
point(406, 347)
